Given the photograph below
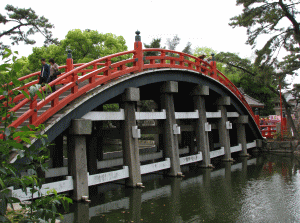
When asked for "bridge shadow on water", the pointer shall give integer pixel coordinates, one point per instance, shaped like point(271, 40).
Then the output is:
point(263, 188)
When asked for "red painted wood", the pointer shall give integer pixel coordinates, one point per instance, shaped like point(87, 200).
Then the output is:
point(102, 70)
point(33, 105)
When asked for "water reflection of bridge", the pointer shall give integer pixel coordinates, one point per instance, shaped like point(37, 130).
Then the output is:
point(83, 213)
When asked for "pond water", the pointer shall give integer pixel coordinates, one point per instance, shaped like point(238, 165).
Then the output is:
point(262, 188)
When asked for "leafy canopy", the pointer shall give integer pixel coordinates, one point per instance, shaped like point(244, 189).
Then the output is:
point(89, 44)
point(278, 21)
point(21, 24)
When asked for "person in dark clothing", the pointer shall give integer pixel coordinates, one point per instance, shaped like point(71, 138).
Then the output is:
point(45, 71)
point(53, 69)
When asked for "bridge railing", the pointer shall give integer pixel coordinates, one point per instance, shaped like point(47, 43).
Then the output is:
point(268, 131)
point(80, 78)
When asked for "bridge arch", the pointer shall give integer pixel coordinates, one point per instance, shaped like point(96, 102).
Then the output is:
point(145, 79)
point(88, 86)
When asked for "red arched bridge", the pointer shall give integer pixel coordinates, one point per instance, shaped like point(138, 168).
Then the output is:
point(196, 114)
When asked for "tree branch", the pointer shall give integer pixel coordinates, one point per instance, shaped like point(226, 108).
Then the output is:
point(292, 20)
point(12, 29)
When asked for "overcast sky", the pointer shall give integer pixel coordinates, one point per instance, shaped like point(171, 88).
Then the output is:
point(204, 23)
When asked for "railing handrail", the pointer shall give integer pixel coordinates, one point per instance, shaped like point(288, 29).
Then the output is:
point(110, 71)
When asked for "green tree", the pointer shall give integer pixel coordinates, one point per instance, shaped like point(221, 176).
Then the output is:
point(261, 82)
point(188, 48)
point(155, 43)
point(86, 46)
point(24, 23)
point(207, 51)
point(275, 18)
point(204, 50)
point(52, 51)
point(278, 20)
point(89, 45)
point(41, 209)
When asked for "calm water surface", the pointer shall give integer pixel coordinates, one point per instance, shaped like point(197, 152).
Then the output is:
point(265, 188)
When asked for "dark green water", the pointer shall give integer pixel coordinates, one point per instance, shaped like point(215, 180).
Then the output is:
point(265, 188)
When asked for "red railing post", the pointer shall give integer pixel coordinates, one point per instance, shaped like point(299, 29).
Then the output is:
point(163, 55)
point(108, 65)
point(257, 120)
point(74, 77)
point(33, 105)
point(181, 63)
point(284, 123)
point(213, 65)
point(139, 55)
point(256, 117)
point(70, 65)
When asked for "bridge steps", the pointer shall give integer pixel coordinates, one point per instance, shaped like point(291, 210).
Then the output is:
point(25, 108)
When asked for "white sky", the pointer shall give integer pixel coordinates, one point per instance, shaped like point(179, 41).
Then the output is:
point(204, 23)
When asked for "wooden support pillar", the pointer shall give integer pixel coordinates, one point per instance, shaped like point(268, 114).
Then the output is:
point(170, 128)
point(201, 126)
point(78, 131)
point(130, 137)
point(224, 126)
point(241, 133)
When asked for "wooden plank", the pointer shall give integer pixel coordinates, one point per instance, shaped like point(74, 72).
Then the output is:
point(251, 145)
point(232, 115)
point(237, 148)
point(217, 153)
point(187, 115)
point(150, 115)
point(60, 186)
point(108, 177)
point(104, 116)
point(153, 167)
point(213, 114)
point(190, 159)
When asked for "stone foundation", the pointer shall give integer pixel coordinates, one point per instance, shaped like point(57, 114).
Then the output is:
point(281, 147)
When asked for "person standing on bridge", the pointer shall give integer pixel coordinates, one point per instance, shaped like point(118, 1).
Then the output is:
point(44, 71)
point(201, 57)
point(53, 73)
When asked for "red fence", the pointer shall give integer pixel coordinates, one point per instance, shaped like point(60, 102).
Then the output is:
point(102, 70)
point(268, 129)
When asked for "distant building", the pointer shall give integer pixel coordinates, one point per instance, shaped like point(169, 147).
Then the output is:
point(254, 103)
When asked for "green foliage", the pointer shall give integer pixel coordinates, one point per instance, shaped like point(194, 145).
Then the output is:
point(86, 46)
point(295, 91)
point(278, 20)
point(22, 24)
point(155, 43)
point(188, 48)
point(254, 81)
point(41, 209)
point(111, 107)
point(89, 45)
point(52, 51)
point(198, 51)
